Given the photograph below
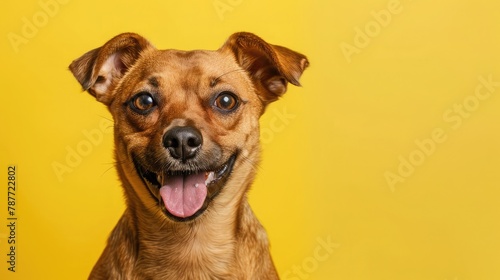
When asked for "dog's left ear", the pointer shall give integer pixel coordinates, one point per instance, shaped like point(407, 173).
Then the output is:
point(271, 67)
point(99, 70)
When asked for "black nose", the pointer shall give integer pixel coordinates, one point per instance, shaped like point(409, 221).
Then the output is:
point(182, 142)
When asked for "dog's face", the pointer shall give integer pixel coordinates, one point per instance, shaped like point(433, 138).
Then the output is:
point(186, 122)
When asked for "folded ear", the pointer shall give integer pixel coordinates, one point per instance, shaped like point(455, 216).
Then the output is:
point(271, 67)
point(99, 70)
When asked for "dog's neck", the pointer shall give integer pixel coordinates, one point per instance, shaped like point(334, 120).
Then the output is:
point(208, 242)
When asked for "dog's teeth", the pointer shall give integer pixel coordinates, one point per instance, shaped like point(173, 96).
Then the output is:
point(196, 185)
point(209, 177)
point(159, 178)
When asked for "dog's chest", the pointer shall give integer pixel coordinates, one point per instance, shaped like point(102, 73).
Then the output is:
point(194, 259)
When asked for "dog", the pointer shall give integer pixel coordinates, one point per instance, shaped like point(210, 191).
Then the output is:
point(186, 137)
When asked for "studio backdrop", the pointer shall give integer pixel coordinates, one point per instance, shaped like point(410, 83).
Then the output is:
point(384, 164)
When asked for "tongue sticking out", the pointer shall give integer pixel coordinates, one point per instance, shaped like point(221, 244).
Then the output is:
point(183, 195)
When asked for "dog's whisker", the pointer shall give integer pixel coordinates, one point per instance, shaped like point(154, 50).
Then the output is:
point(107, 170)
point(254, 165)
point(106, 118)
point(113, 164)
point(216, 80)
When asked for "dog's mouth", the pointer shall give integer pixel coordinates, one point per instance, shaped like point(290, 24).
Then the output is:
point(185, 194)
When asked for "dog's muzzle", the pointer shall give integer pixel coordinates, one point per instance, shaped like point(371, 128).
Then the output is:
point(185, 194)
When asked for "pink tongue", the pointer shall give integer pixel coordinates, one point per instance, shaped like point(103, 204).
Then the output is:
point(184, 195)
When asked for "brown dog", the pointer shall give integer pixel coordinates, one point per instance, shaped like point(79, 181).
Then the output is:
point(186, 148)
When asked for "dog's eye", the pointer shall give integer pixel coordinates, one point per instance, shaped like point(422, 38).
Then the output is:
point(142, 103)
point(226, 101)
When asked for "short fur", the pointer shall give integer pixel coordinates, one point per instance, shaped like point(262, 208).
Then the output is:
point(226, 241)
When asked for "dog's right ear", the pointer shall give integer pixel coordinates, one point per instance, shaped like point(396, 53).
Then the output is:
point(99, 70)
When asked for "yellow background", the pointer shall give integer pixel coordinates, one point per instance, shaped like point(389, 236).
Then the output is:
point(323, 175)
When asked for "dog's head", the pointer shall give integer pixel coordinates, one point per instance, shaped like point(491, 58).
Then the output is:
point(186, 122)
